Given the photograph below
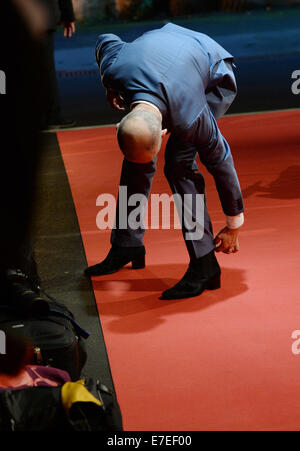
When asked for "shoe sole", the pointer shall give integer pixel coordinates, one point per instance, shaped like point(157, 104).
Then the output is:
point(137, 263)
point(213, 284)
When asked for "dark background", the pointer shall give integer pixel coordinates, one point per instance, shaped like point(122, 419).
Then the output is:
point(265, 43)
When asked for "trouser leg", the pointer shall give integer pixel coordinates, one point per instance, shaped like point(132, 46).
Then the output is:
point(54, 108)
point(179, 170)
point(137, 179)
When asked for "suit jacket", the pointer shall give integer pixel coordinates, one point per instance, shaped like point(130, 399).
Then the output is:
point(189, 77)
point(58, 10)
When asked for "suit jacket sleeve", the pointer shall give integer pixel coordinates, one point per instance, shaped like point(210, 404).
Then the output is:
point(67, 10)
point(107, 49)
point(192, 121)
point(215, 154)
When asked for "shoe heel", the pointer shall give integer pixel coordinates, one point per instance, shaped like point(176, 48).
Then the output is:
point(214, 284)
point(138, 263)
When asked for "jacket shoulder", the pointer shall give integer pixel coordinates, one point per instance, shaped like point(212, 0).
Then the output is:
point(208, 44)
point(105, 43)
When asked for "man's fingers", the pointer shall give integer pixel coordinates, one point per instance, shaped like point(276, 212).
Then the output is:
point(67, 32)
point(69, 29)
point(72, 29)
point(236, 248)
point(224, 246)
point(229, 249)
point(116, 105)
point(217, 240)
point(219, 244)
point(226, 242)
point(220, 247)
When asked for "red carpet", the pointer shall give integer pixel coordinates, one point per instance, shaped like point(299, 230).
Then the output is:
point(222, 361)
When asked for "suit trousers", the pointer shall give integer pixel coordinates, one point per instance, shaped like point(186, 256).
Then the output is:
point(180, 171)
point(180, 167)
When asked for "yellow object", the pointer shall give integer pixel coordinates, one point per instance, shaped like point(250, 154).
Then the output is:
point(73, 392)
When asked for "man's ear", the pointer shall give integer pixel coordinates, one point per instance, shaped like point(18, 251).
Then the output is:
point(164, 132)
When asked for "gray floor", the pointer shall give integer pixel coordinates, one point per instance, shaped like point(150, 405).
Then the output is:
point(61, 258)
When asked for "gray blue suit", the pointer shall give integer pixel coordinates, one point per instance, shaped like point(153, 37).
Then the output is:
point(189, 77)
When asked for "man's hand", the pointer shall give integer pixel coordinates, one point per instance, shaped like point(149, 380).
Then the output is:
point(115, 100)
point(227, 241)
point(69, 28)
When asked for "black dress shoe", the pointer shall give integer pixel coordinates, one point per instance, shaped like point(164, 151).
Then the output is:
point(116, 259)
point(202, 274)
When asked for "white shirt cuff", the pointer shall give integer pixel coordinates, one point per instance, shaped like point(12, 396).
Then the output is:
point(145, 102)
point(234, 222)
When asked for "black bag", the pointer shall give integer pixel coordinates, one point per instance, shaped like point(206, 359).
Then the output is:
point(43, 409)
point(57, 339)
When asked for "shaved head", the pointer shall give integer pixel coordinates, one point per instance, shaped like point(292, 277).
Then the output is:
point(139, 135)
